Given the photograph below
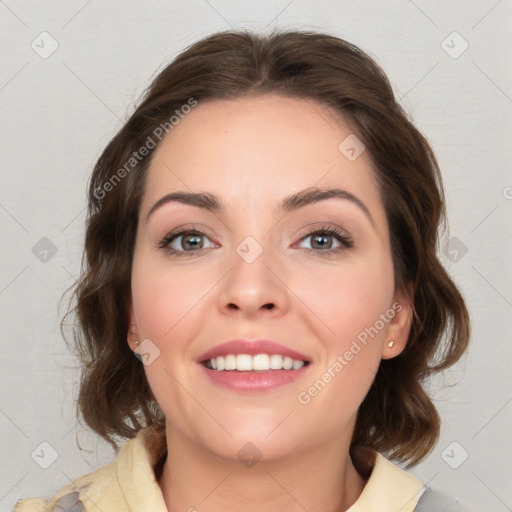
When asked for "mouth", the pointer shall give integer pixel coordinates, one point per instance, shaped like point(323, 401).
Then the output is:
point(245, 379)
point(253, 363)
point(245, 366)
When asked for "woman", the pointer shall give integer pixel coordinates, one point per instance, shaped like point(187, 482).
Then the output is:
point(262, 235)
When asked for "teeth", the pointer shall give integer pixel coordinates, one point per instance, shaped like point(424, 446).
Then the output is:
point(247, 363)
point(243, 362)
point(297, 365)
point(230, 362)
point(276, 362)
point(287, 363)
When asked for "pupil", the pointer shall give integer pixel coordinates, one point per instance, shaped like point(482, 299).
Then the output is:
point(192, 237)
point(319, 237)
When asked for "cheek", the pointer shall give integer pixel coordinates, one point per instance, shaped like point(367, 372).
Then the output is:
point(167, 302)
point(351, 302)
point(165, 295)
point(347, 298)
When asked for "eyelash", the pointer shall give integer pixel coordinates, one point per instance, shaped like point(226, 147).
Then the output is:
point(345, 240)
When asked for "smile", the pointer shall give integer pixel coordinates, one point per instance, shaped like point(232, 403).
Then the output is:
point(258, 362)
point(244, 373)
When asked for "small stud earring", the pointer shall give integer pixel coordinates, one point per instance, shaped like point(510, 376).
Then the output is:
point(390, 343)
point(136, 342)
point(133, 341)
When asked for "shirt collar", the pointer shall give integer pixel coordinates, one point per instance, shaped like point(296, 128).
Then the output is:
point(388, 488)
point(135, 470)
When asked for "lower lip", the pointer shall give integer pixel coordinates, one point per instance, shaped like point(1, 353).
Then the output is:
point(254, 381)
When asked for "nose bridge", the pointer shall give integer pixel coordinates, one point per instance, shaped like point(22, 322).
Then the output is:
point(251, 231)
point(252, 283)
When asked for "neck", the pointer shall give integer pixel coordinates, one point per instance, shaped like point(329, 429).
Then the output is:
point(324, 480)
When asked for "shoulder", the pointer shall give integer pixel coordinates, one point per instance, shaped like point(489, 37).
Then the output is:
point(32, 505)
point(435, 501)
point(72, 496)
point(119, 486)
point(390, 488)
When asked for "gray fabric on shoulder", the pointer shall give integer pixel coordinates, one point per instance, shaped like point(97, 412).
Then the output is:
point(435, 501)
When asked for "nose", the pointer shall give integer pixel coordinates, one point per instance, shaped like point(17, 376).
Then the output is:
point(253, 287)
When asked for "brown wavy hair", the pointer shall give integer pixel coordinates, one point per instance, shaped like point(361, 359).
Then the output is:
point(397, 417)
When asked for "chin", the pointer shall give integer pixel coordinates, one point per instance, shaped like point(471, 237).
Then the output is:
point(245, 436)
point(251, 450)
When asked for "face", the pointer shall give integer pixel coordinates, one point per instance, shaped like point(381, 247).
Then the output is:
point(314, 277)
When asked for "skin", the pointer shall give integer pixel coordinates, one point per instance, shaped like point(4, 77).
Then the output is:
point(253, 152)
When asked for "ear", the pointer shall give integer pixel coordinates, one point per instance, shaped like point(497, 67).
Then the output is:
point(399, 326)
point(132, 334)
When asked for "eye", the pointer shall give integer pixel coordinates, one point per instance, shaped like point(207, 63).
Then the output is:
point(189, 242)
point(184, 243)
point(322, 240)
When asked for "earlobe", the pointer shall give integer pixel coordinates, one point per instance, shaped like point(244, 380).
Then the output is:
point(132, 335)
point(399, 327)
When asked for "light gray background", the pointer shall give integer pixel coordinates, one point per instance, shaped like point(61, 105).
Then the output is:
point(59, 112)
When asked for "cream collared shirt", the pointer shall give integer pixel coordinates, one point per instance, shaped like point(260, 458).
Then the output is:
point(129, 485)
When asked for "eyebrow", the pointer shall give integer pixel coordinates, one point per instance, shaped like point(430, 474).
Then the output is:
point(293, 202)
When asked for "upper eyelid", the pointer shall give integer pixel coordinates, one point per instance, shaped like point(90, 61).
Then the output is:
point(308, 230)
point(342, 237)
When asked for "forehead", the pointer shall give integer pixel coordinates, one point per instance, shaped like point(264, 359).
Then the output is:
point(256, 150)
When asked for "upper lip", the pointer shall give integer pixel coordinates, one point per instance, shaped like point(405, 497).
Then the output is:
point(253, 348)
